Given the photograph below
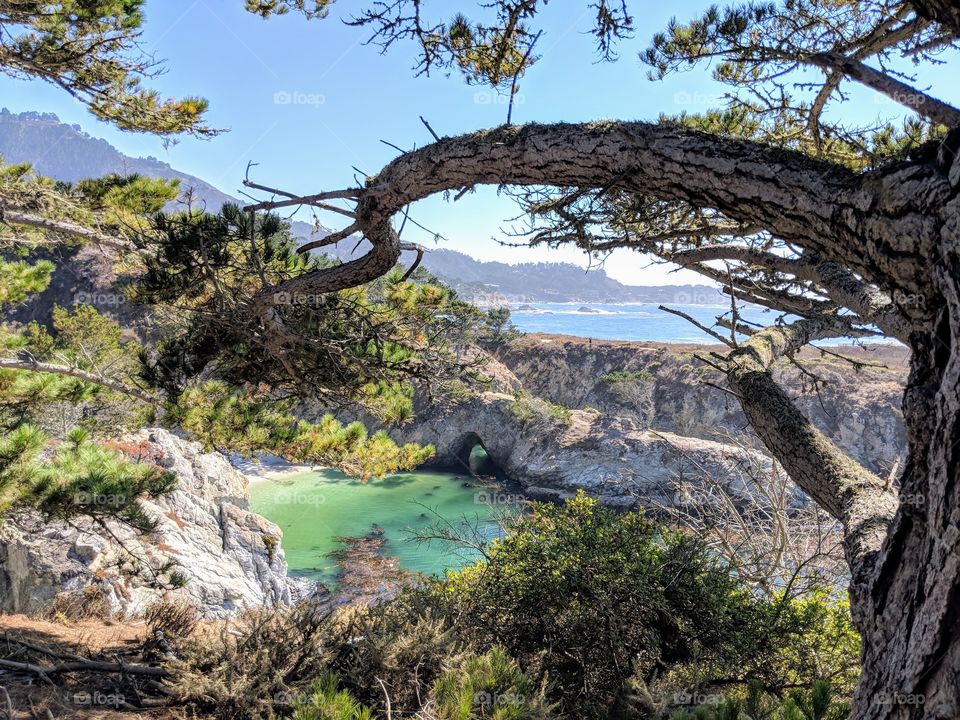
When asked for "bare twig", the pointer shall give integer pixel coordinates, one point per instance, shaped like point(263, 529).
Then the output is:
point(516, 76)
point(420, 250)
point(712, 333)
point(427, 125)
point(387, 696)
point(6, 695)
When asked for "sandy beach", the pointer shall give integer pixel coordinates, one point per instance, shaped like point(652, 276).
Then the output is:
point(268, 467)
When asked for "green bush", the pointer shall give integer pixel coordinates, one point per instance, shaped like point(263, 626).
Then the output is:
point(592, 599)
point(489, 686)
point(819, 702)
point(529, 409)
point(628, 376)
point(326, 702)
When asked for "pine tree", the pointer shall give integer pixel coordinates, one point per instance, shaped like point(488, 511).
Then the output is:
point(68, 386)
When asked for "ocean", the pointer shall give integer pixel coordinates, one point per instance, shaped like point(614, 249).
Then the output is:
point(640, 321)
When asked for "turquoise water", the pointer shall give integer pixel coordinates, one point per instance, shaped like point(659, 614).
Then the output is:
point(315, 508)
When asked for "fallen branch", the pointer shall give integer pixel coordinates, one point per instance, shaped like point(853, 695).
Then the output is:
point(85, 666)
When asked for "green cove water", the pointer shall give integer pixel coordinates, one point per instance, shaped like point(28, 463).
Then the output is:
point(314, 509)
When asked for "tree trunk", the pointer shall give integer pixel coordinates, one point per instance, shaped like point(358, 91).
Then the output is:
point(911, 633)
point(946, 12)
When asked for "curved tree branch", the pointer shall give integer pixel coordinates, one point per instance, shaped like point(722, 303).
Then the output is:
point(815, 205)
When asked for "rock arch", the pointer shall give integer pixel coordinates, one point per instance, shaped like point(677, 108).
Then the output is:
point(467, 457)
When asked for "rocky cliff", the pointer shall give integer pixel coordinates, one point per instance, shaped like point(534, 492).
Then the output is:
point(229, 556)
point(632, 422)
point(664, 387)
point(551, 452)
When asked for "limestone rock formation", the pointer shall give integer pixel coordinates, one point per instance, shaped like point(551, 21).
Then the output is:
point(553, 451)
point(630, 422)
point(230, 556)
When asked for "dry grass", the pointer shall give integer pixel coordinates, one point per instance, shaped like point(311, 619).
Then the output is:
point(31, 698)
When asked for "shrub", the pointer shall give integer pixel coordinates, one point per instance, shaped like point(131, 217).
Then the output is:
point(527, 409)
point(86, 603)
point(818, 702)
point(175, 619)
point(592, 599)
point(816, 641)
point(407, 643)
point(244, 668)
point(326, 702)
point(489, 686)
point(628, 376)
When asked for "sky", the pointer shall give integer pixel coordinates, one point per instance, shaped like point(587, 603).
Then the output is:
point(310, 101)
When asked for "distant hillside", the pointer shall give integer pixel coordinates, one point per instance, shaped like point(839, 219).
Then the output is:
point(65, 152)
point(497, 282)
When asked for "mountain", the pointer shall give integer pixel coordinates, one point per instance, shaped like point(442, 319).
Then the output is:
point(65, 152)
point(496, 283)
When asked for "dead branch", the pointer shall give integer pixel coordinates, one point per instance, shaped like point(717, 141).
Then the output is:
point(712, 333)
point(10, 217)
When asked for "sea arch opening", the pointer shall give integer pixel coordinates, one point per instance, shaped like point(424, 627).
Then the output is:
point(472, 454)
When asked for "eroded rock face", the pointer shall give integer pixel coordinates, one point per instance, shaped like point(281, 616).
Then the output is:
point(554, 453)
point(663, 387)
point(231, 557)
point(632, 421)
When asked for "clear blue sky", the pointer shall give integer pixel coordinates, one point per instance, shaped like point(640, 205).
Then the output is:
point(345, 97)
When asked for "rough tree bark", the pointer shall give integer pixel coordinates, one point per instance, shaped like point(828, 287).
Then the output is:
point(945, 12)
point(897, 228)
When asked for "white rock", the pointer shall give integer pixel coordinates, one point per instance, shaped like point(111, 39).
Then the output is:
point(230, 556)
